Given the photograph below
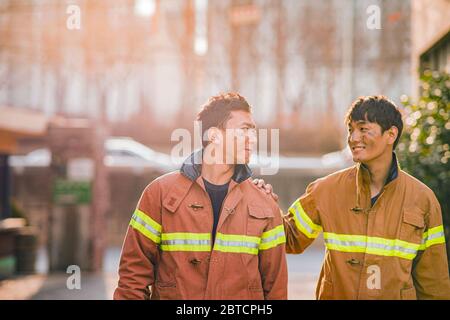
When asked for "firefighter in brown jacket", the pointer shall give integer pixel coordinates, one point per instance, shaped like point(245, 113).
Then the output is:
point(206, 232)
point(382, 227)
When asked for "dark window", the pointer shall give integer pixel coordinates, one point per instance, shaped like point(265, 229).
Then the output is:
point(437, 58)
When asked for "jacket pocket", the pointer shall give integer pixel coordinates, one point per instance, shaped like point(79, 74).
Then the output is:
point(412, 225)
point(257, 219)
point(166, 291)
point(408, 294)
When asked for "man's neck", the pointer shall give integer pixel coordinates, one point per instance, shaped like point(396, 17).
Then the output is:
point(379, 171)
point(218, 174)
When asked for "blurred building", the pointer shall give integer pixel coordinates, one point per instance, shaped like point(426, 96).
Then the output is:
point(295, 60)
point(430, 45)
point(123, 57)
point(300, 60)
point(15, 124)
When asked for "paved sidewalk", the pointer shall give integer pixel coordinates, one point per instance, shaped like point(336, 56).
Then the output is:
point(21, 287)
point(53, 287)
point(303, 274)
point(101, 287)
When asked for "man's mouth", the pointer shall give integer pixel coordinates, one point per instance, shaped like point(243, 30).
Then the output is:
point(358, 148)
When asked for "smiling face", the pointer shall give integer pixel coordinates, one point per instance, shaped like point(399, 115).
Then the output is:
point(374, 128)
point(368, 142)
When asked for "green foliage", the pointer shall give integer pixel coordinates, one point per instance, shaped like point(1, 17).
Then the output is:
point(424, 149)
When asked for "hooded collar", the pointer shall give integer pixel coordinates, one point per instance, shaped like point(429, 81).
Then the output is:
point(192, 168)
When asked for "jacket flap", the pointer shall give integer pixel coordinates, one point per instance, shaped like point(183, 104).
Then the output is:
point(414, 217)
point(176, 194)
point(260, 212)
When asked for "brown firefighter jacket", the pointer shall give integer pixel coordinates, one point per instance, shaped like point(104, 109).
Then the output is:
point(169, 248)
point(394, 249)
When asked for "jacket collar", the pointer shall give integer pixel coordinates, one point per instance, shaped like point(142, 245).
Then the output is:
point(192, 168)
point(363, 181)
point(393, 171)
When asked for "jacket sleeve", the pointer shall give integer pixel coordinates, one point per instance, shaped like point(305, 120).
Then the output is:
point(272, 259)
point(140, 251)
point(430, 267)
point(302, 222)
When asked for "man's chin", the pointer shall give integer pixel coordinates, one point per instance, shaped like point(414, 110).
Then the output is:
point(243, 161)
point(246, 158)
point(358, 158)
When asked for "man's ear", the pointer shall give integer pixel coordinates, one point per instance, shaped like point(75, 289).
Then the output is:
point(392, 134)
point(214, 135)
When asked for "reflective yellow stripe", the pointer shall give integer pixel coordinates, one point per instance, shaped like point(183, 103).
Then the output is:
point(187, 241)
point(182, 247)
point(371, 245)
point(237, 237)
point(142, 229)
point(186, 235)
point(362, 238)
point(236, 243)
point(303, 222)
point(181, 241)
point(272, 232)
point(433, 236)
point(155, 225)
point(146, 225)
point(272, 238)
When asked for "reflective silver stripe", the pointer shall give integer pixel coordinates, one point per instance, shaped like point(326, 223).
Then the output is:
point(434, 236)
point(431, 237)
point(236, 244)
point(303, 222)
point(391, 248)
point(274, 237)
point(370, 245)
point(186, 242)
point(346, 243)
point(146, 226)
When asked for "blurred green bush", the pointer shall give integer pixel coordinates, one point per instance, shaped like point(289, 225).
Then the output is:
point(424, 149)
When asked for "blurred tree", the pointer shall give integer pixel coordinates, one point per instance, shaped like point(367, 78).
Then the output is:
point(424, 148)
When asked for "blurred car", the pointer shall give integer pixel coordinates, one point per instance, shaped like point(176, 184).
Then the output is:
point(319, 165)
point(124, 152)
point(36, 158)
point(339, 159)
point(120, 152)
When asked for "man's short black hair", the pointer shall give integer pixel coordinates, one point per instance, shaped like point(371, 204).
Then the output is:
point(216, 112)
point(377, 109)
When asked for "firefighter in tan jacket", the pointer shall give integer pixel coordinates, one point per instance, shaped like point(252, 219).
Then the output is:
point(206, 232)
point(382, 227)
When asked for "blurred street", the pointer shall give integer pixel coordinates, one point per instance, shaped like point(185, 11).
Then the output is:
point(303, 274)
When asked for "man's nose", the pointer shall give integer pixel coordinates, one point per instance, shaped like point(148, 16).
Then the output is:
point(354, 137)
point(251, 138)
